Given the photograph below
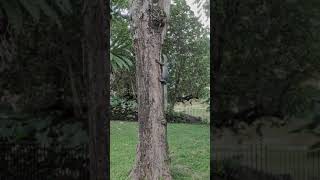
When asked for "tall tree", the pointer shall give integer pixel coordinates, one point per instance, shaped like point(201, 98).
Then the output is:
point(149, 24)
point(95, 43)
point(187, 49)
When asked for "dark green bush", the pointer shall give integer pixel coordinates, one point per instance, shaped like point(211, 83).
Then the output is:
point(178, 117)
point(123, 109)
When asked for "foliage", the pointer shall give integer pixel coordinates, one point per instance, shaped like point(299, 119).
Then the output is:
point(16, 9)
point(187, 49)
point(123, 109)
point(121, 42)
point(51, 57)
point(195, 108)
point(45, 63)
point(269, 57)
point(204, 5)
point(122, 103)
point(122, 57)
point(47, 131)
point(179, 117)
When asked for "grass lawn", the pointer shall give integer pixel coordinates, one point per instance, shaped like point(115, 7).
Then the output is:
point(189, 150)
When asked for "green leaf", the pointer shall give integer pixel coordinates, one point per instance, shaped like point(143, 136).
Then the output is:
point(120, 62)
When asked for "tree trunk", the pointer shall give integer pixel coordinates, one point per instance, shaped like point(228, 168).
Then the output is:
point(149, 28)
point(165, 97)
point(96, 43)
point(76, 101)
point(217, 50)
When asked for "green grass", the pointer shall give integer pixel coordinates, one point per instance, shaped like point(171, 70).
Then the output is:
point(189, 150)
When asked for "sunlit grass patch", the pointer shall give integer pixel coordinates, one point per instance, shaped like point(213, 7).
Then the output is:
point(189, 150)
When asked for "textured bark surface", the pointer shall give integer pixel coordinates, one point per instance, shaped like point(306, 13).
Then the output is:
point(95, 51)
point(152, 160)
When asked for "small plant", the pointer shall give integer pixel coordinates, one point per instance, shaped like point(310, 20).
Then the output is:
point(123, 109)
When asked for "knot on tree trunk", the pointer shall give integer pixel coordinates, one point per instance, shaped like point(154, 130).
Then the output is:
point(157, 17)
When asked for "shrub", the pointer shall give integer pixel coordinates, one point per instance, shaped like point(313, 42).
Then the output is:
point(123, 109)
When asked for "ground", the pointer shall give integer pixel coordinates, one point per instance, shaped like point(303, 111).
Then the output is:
point(189, 150)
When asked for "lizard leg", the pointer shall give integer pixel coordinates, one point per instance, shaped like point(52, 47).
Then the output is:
point(161, 64)
point(162, 80)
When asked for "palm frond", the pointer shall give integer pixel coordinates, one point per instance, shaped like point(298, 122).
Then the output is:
point(14, 10)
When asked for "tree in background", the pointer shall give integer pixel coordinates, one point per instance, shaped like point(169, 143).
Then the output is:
point(149, 25)
point(187, 47)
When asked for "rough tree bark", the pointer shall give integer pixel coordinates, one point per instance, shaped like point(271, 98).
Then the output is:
point(76, 101)
point(149, 24)
point(96, 42)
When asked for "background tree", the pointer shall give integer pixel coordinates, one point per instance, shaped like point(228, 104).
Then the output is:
point(187, 49)
point(95, 25)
